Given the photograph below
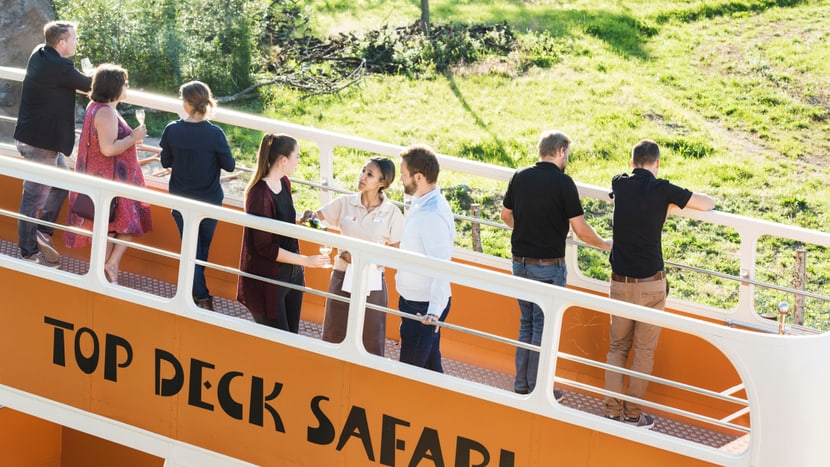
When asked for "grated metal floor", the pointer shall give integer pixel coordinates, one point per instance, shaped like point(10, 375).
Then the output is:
point(573, 399)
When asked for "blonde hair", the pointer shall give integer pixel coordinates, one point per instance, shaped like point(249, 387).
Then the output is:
point(199, 96)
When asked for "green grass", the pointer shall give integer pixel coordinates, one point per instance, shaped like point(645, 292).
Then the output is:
point(735, 92)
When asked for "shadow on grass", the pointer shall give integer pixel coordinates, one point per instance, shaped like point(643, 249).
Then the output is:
point(692, 14)
point(481, 152)
point(623, 33)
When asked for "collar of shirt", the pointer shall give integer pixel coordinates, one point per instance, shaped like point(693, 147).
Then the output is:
point(421, 200)
point(355, 200)
point(642, 172)
point(548, 165)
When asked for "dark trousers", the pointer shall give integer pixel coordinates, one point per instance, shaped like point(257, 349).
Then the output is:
point(337, 316)
point(421, 344)
point(38, 200)
point(206, 230)
point(290, 300)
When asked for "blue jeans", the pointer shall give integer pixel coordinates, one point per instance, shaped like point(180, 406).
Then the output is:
point(532, 321)
point(420, 344)
point(206, 229)
point(40, 198)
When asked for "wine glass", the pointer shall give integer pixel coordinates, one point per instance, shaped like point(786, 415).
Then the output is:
point(139, 115)
point(86, 66)
point(325, 250)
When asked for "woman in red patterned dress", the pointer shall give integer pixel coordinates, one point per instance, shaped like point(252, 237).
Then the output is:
point(107, 150)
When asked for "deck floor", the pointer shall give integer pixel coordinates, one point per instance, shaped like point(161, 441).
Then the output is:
point(573, 399)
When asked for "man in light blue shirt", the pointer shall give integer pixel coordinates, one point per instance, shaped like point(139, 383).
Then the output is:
point(429, 230)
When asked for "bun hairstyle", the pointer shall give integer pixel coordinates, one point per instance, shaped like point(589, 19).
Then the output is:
point(271, 148)
point(199, 96)
point(387, 171)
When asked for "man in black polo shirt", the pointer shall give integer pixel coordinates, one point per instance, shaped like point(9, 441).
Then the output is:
point(642, 202)
point(541, 205)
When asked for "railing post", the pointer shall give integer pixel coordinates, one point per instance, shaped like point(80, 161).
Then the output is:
point(783, 311)
point(326, 170)
point(800, 282)
point(475, 209)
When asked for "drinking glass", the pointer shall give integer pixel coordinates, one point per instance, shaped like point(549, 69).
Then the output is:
point(139, 115)
point(86, 66)
point(326, 251)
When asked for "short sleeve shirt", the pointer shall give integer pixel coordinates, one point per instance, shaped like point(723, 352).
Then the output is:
point(641, 202)
point(383, 225)
point(543, 200)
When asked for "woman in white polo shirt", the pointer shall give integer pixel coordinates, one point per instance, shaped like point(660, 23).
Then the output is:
point(367, 215)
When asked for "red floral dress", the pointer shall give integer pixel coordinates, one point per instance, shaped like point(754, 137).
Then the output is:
point(131, 216)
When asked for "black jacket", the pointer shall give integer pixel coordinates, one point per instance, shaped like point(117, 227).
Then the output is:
point(47, 108)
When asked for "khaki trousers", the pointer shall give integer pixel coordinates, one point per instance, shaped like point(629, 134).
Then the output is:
point(627, 333)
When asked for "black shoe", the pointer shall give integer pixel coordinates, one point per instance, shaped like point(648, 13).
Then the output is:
point(521, 391)
point(206, 303)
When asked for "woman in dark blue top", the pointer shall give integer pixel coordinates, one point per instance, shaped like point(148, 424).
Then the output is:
point(196, 151)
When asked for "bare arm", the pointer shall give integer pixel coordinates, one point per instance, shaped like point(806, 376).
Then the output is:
point(701, 202)
point(106, 123)
point(507, 217)
point(316, 261)
point(587, 234)
point(698, 201)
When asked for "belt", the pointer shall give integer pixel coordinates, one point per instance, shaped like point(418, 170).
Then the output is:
point(539, 261)
point(656, 277)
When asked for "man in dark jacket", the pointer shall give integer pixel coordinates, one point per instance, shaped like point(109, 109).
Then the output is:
point(45, 133)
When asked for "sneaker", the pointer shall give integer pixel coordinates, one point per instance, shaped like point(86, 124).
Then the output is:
point(39, 259)
point(206, 303)
point(643, 421)
point(558, 395)
point(46, 247)
point(616, 418)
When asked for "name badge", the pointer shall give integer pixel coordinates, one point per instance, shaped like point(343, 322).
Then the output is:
point(379, 220)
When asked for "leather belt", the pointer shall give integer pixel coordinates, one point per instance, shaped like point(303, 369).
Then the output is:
point(539, 261)
point(656, 277)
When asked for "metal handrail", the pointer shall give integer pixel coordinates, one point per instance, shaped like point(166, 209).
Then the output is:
point(554, 302)
point(652, 378)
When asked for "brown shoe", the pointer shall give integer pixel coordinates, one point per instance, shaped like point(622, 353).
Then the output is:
point(206, 303)
point(46, 247)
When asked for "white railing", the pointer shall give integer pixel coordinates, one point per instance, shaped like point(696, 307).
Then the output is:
point(749, 230)
point(751, 353)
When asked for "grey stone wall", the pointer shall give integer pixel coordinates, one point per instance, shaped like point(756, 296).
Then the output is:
point(21, 29)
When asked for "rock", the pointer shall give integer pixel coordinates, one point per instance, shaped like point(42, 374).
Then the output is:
point(21, 29)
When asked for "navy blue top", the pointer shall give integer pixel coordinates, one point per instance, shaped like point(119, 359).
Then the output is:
point(47, 107)
point(641, 202)
point(543, 200)
point(196, 151)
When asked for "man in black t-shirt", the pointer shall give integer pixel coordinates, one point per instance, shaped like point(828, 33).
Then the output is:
point(541, 205)
point(642, 202)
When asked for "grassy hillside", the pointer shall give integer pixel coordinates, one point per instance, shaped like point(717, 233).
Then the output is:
point(735, 92)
